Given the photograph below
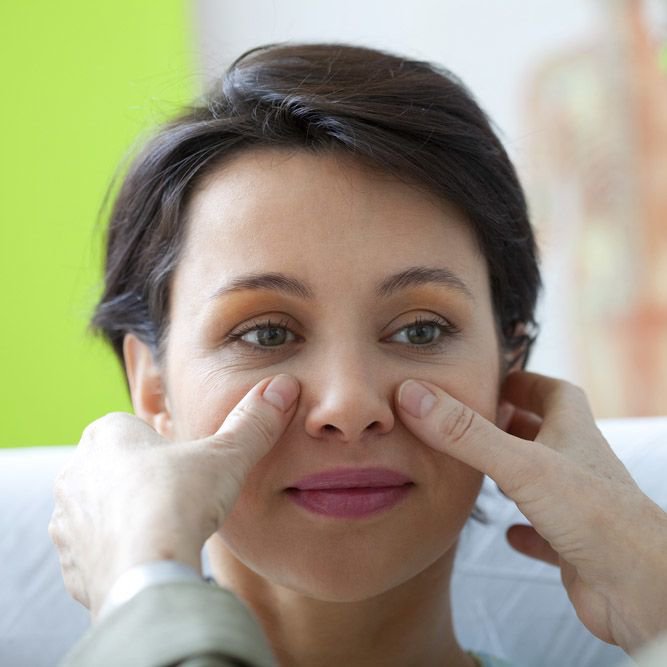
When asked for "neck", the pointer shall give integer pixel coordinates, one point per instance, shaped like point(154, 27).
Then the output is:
point(410, 624)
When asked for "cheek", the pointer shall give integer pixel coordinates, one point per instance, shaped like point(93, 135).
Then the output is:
point(473, 382)
point(482, 396)
point(201, 399)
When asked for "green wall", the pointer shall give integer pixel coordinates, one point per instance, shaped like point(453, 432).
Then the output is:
point(80, 82)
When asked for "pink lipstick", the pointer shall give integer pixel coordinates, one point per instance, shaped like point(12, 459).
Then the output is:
point(350, 492)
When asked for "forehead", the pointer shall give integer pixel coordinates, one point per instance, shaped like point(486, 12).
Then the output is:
point(331, 220)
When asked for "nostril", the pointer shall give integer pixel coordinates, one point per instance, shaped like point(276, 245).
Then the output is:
point(374, 426)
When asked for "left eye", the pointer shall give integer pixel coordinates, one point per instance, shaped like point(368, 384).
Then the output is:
point(419, 333)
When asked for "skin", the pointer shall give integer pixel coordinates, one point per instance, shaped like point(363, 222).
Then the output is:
point(324, 220)
point(220, 432)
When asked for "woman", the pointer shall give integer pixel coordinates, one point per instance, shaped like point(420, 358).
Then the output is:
point(346, 219)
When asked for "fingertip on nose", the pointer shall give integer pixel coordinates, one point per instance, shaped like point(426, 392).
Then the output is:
point(281, 392)
point(416, 399)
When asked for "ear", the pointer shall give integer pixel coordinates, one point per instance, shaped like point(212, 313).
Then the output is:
point(147, 386)
point(515, 359)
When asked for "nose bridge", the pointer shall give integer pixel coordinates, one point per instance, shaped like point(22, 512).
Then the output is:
point(349, 395)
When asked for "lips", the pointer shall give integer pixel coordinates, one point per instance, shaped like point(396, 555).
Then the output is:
point(352, 478)
point(347, 493)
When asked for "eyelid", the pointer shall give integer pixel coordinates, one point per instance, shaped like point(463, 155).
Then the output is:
point(447, 331)
point(425, 317)
point(431, 319)
point(259, 323)
point(443, 323)
point(235, 336)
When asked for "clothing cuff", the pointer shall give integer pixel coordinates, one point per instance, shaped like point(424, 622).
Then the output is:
point(142, 576)
point(172, 623)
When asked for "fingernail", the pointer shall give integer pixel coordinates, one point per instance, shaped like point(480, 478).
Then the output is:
point(281, 392)
point(416, 399)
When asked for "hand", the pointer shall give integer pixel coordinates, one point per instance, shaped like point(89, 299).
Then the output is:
point(128, 496)
point(588, 516)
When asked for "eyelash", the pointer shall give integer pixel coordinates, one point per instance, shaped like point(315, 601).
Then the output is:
point(236, 336)
point(446, 329)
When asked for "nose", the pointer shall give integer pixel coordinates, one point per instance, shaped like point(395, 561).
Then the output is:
point(347, 400)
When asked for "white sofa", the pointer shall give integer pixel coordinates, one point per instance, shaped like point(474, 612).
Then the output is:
point(504, 603)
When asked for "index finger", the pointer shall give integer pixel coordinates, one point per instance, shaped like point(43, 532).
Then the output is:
point(451, 427)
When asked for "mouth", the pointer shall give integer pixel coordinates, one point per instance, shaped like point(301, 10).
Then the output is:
point(350, 493)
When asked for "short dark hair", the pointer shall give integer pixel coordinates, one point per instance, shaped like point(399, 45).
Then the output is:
point(412, 119)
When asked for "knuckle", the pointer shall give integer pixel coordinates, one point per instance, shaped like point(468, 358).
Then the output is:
point(457, 423)
point(115, 421)
point(111, 420)
point(571, 386)
point(92, 431)
point(88, 433)
point(574, 392)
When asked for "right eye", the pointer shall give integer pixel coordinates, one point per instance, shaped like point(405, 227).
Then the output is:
point(263, 335)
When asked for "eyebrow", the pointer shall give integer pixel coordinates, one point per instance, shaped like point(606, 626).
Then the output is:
point(422, 275)
point(278, 282)
point(410, 277)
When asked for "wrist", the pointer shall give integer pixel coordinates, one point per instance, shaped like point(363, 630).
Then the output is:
point(139, 577)
point(641, 598)
point(134, 550)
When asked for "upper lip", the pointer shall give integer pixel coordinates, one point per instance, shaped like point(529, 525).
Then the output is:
point(350, 478)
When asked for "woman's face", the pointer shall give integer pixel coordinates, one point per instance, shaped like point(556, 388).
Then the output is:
point(351, 318)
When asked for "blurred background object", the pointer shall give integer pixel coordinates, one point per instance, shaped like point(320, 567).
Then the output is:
point(577, 89)
point(598, 119)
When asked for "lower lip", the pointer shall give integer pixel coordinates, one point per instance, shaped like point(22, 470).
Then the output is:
point(349, 503)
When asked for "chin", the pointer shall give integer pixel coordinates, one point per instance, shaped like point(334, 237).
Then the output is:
point(341, 570)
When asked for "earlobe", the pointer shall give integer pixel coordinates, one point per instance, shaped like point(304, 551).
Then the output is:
point(147, 386)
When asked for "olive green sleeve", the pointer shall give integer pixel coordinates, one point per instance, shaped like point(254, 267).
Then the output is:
point(189, 624)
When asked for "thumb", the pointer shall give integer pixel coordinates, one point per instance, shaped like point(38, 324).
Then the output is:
point(256, 423)
point(449, 426)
